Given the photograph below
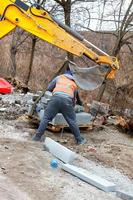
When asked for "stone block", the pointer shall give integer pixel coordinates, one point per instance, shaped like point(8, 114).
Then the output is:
point(90, 178)
point(82, 118)
point(124, 195)
point(59, 151)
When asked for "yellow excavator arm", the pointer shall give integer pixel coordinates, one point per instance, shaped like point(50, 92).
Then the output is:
point(40, 23)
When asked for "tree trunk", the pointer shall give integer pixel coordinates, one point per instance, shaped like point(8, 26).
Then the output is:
point(34, 39)
point(13, 58)
point(67, 14)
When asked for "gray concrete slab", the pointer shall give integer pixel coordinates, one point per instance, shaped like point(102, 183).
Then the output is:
point(90, 178)
point(111, 174)
point(59, 151)
point(82, 118)
point(124, 195)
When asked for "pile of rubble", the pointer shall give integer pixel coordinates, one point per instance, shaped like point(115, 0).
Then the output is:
point(16, 104)
point(103, 115)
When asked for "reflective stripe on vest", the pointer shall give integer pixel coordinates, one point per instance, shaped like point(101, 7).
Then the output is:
point(65, 85)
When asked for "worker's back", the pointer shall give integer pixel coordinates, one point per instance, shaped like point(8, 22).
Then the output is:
point(65, 85)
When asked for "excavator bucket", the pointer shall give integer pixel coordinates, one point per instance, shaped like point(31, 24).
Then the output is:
point(89, 78)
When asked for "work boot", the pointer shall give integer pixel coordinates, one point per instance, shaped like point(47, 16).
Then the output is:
point(81, 141)
point(36, 137)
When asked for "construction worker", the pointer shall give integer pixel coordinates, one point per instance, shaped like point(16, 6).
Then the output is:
point(65, 94)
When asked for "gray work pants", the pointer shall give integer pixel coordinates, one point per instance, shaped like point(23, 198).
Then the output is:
point(64, 105)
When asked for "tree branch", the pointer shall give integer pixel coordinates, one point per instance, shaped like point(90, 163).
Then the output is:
point(59, 2)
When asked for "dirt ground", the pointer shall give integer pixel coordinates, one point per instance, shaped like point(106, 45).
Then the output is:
point(25, 171)
point(113, 148)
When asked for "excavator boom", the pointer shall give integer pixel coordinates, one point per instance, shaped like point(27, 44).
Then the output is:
point(40, 23)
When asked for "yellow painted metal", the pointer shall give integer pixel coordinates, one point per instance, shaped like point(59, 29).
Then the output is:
point(111, 61)
point(40, 23)
point(6, 27)
point(42, 26)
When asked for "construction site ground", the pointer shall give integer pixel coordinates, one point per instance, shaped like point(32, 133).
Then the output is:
point(25, 171)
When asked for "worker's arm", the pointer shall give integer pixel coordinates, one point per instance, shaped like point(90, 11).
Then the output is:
point(52, 84)
point(77, 98)
point(79, 102)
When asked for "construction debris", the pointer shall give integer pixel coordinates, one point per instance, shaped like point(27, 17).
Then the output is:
point(122, 123)
point(99, 108)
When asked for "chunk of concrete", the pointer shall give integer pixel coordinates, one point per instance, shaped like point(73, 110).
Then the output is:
point(90, 178)
point(59, 151)
point(82, 118)
point(124, 195)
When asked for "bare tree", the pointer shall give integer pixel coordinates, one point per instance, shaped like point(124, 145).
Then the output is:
point(118, 21)
point(66, 9)
point(33, 44)
point(125, 28)
point(112, 18)
point(19, 37)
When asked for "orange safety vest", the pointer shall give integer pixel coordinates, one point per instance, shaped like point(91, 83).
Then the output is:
point(65, 85)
